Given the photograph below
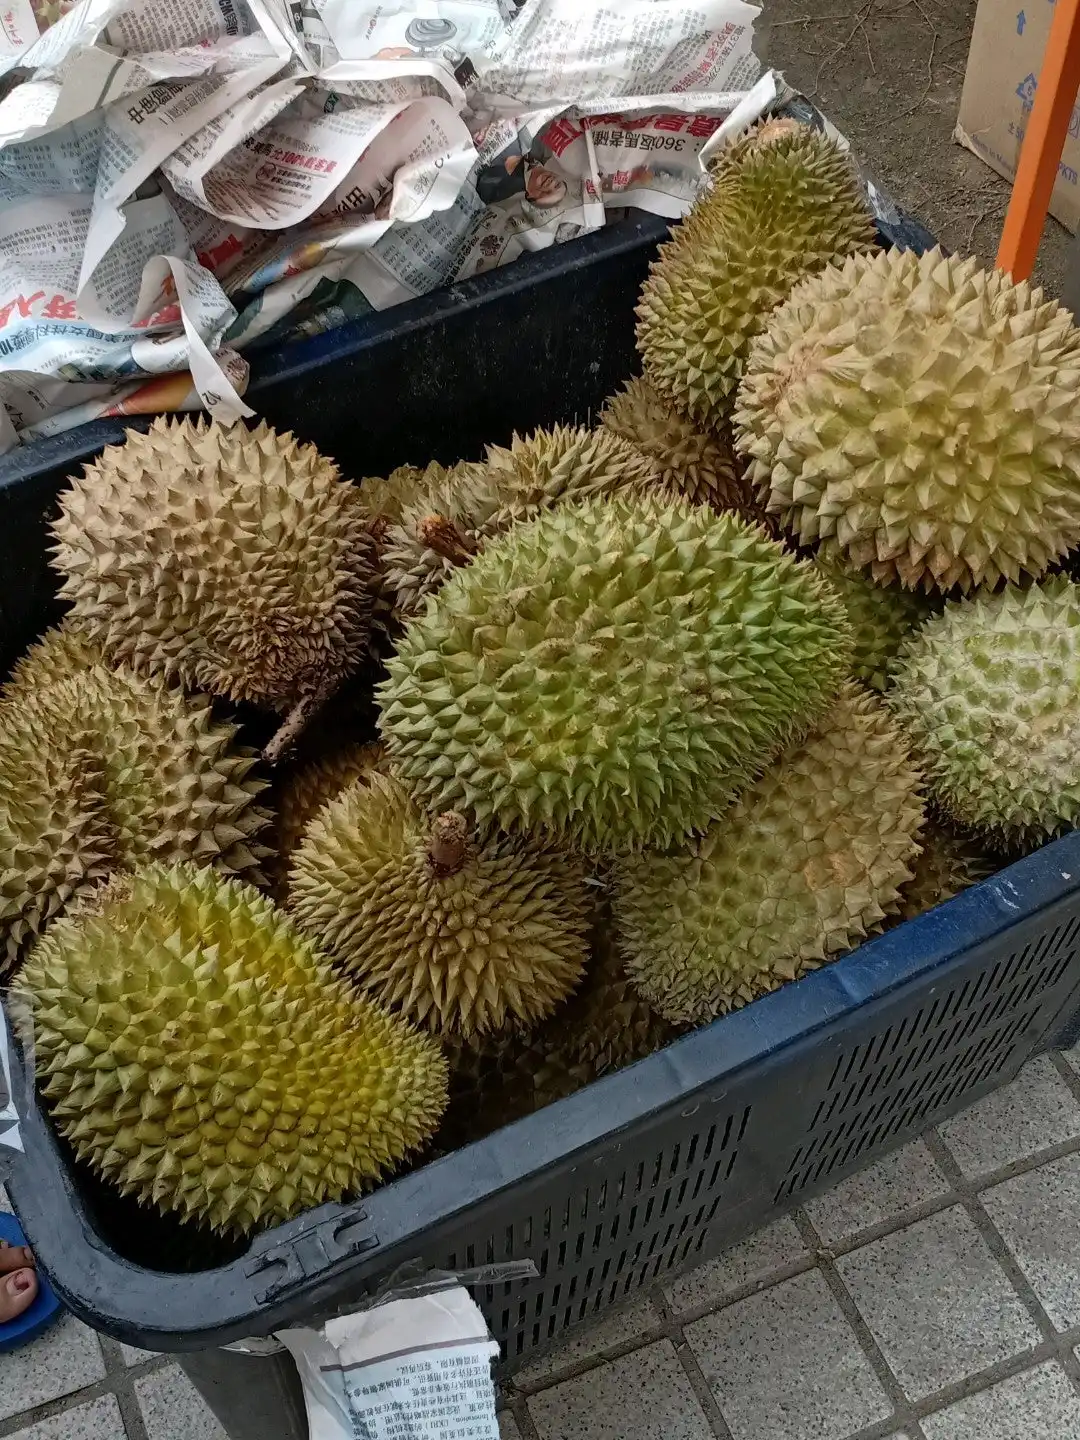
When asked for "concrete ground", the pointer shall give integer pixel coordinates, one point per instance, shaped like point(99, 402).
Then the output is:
point(889, 73)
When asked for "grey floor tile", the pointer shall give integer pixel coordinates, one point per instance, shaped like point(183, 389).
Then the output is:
point(65, 1359)
point(936, 1302)
point(762, 1255)
point(645, 1395)
point(1038, 1405)
point(133, 1356)
point(879, 1193)
point(173, 1409)
point(5, 1203)
point(1036, 1110)
point(785, 1365)
point(1036, 1215)
point(625, 1324)
point(508, 1429)
point(100, 1420)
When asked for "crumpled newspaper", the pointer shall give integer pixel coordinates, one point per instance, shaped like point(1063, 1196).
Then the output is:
point(184, 180)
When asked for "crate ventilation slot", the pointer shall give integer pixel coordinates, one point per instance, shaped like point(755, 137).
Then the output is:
point(595, 1244)
point(903, 1076)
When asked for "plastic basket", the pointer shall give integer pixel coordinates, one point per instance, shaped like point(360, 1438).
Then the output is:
point(648, 1171)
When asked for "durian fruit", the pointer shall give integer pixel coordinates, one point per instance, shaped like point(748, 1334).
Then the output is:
point(988, 694)
point(311, 786)
point(385, 497)
point(883, 616)
point(454, 518)
point(606, 1025)
point(236, 561)
point(103, 769)
point(611, 672)
point(947, 864)
point(811, 857)
point(784, 202)
point(691, 461)
point(462, 934)
point(198, 1052)
point(921, 417)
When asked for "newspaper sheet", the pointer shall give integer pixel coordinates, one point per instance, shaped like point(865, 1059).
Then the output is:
point(182, 181)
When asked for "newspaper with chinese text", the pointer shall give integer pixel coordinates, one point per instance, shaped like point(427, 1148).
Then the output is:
point(183, 182)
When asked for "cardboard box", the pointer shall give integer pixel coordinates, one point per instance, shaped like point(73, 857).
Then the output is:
point(1002, 73)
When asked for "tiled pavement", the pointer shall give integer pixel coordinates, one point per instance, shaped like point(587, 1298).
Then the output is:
point(935, 1296)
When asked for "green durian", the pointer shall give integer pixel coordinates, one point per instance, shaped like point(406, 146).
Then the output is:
point(236, 561)
point(882, 616)
point(103, 769)
point(947, 864)
point(921, 418)
point(453, 519)
point(783, 203)
point(198, 1052)
point(811, 857)
point(463, 934)
point(610, 673)
point(690, 460)
point(311, 786)
point(988, 694)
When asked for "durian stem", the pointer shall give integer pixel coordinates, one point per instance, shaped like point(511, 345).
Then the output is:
point(439, 533)
point(449, 841)
point(298, 718)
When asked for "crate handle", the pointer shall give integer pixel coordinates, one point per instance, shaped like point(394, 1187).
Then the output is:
point(313, 1250)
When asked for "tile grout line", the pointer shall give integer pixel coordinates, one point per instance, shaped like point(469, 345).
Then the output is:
point(111, 1384)
point(903, 1416)
point(992, 1237)
point(688, 1362)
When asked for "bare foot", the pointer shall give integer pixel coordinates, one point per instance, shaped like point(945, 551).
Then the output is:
point(18, 1282)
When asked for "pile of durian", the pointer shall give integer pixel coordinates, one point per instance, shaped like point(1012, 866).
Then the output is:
point(668, 710)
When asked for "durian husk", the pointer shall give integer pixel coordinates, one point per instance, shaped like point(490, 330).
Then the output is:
point(449, 524)
point(105, 769)
point(198, 1052)
point(883, 616)
point(776, 211)
point(461, 933)
point(610, 673)
point(920, 418)
point(309, 788)
point(605, 1026)
point(809, 859)
point(690, 461)
point(947, 864)
point(236, 561)
point(988, 695)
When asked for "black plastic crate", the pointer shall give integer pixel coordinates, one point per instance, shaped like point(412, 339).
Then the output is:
point(645, 1172)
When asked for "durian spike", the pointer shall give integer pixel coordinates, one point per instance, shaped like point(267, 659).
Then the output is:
point(439, 533)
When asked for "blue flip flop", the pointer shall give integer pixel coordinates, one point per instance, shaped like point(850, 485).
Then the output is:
point(42, 1313)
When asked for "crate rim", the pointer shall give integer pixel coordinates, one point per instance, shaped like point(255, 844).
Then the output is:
point(390, 1221)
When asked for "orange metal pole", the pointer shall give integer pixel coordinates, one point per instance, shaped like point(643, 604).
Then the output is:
point(1044, 141)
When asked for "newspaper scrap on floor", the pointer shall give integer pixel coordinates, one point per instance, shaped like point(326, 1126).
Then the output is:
point(182, 181)
point(418, 1367)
